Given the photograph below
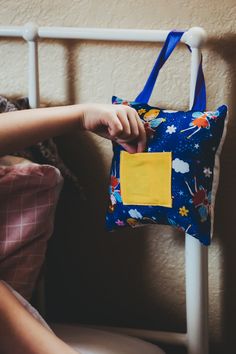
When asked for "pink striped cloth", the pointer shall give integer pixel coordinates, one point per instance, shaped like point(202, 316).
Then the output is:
point(28, 196)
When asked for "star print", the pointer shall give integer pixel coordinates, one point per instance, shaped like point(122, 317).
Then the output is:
point(196, 146)
point(141, 111)
point(171, 129)
point(207, 172)
point(119, 222)
point(181, 193)
point(183, 211)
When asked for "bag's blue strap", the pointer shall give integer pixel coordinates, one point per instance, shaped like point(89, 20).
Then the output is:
point(173, 38)
point(199, 102)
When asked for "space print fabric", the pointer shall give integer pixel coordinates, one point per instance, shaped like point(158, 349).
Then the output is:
point(174, 181)
point(192, 138)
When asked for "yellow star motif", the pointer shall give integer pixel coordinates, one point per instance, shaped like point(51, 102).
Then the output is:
point(183, 211)
point(141, 111)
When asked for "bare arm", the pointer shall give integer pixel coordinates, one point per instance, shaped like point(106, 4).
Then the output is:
point(21, 333)
point(20, 129)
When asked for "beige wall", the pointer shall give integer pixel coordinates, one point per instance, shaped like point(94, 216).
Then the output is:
point(136, 278)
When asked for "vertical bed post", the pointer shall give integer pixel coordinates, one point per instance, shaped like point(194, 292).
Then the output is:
point(196, 255)
point(30, 34)
point(196, 270)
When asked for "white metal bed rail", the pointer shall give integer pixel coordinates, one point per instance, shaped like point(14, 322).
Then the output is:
point(196, 255)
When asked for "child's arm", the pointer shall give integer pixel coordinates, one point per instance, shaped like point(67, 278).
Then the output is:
point(20, 129)
point(21, 333)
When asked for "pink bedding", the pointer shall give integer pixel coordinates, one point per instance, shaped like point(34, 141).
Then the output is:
point(28, 196)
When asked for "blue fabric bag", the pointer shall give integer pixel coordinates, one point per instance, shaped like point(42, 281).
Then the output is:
point(184, 144)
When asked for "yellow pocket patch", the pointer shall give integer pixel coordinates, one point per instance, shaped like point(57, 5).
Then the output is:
point(145, 178)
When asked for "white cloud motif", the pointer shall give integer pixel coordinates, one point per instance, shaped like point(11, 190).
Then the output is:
point(134, 213)
point(180, 166)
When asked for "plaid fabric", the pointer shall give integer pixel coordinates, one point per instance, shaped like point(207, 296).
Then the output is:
point(28, 196)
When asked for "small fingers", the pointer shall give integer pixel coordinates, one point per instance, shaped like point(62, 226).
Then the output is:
point(126, 133)
point(133, 124)
point(125, 126)
point(133, 137)
point(128, 118)
point(114, 126)
point(142, 139)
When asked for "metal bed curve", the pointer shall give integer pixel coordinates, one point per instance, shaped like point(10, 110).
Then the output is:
point(196, 255)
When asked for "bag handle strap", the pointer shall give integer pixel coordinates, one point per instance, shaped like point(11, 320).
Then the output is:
point(173, 38)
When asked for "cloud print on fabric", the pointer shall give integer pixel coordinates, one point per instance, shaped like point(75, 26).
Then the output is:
point(180, 166)
point(134, 213)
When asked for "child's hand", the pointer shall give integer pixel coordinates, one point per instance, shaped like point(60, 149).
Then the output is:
point(115, 122)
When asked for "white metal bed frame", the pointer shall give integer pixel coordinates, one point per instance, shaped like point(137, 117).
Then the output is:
point(196, 255)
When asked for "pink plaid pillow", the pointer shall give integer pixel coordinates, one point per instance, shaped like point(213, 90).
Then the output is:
point(28, 196)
